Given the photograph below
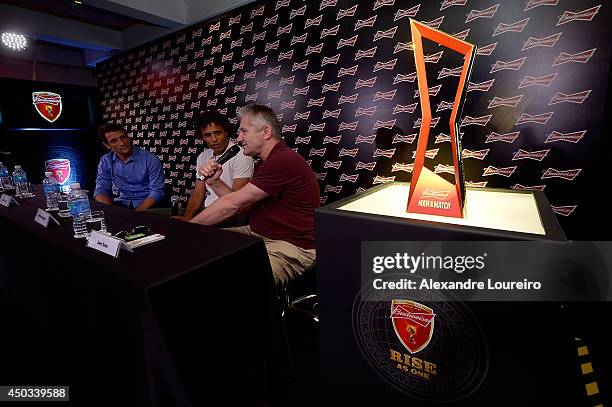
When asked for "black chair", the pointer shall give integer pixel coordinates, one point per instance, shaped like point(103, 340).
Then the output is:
point(300, 294)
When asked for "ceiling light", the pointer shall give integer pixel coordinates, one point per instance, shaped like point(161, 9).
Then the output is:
point(16, 42)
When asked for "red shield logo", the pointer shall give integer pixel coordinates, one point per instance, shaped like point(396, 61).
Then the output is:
point(60, 167)
point(413, 324)
point(48, 105)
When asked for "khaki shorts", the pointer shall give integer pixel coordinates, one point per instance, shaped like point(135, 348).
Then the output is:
point(287, 260)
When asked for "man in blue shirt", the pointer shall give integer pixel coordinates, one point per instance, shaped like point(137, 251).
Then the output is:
point(133, 174)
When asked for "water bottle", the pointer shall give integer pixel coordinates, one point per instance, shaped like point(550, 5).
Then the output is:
point(5, 179)
point(51, 190)
point(79, 209)
point(20, 180)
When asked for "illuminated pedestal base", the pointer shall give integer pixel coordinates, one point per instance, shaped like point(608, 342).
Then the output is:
point(496, 209)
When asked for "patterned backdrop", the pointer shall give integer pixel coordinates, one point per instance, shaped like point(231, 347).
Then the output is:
point(341, 76)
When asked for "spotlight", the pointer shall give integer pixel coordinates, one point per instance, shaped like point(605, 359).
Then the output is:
point(16, 42)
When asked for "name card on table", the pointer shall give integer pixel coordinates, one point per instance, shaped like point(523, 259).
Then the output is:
point(6, 200)
point(106, 243)
point(43, 218)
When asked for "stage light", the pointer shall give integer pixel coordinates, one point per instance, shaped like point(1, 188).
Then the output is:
point(16, 42)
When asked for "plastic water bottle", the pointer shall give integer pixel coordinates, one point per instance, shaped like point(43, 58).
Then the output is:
point(51, 190)
point(5, 179)
point(21, 181)
point(79, 209)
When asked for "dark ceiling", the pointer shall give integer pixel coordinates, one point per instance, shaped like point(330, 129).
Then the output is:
point(78, 12)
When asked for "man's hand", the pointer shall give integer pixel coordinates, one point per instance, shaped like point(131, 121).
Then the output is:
point(211, 171)
point(182, 218)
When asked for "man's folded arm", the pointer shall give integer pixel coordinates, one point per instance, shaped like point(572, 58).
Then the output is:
point(229, 205)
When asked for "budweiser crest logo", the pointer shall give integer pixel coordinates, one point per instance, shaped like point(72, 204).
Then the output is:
point(413, 323)
point(60, 168)
point(48, 105)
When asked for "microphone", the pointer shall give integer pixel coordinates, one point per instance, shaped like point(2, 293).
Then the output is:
point(173, 201)
point(223, 158)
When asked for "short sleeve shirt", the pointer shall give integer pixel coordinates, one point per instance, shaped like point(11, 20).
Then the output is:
point(239, 166)
point(288, 213)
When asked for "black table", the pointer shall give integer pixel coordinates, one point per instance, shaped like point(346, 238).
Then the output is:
point(178, 322)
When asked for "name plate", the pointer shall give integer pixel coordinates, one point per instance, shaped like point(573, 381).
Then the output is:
point(5, 200)
point(106, 243)
point(43, 218)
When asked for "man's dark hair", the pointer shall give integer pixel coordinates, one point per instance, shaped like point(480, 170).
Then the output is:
point(209, 117)
point(109, 128)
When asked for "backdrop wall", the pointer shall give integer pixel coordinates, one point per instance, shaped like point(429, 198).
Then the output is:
point(341, 76)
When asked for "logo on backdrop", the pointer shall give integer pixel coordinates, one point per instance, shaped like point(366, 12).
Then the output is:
point(60, 167)
point(48, 105)
point(360, 48)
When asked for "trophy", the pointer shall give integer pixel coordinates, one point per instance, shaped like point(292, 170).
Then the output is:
point(430, 193)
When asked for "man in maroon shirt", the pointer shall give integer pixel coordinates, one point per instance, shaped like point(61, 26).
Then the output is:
point(282, 195)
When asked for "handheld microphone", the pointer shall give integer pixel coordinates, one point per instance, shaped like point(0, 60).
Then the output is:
point(173, 201)
point(223, 158)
